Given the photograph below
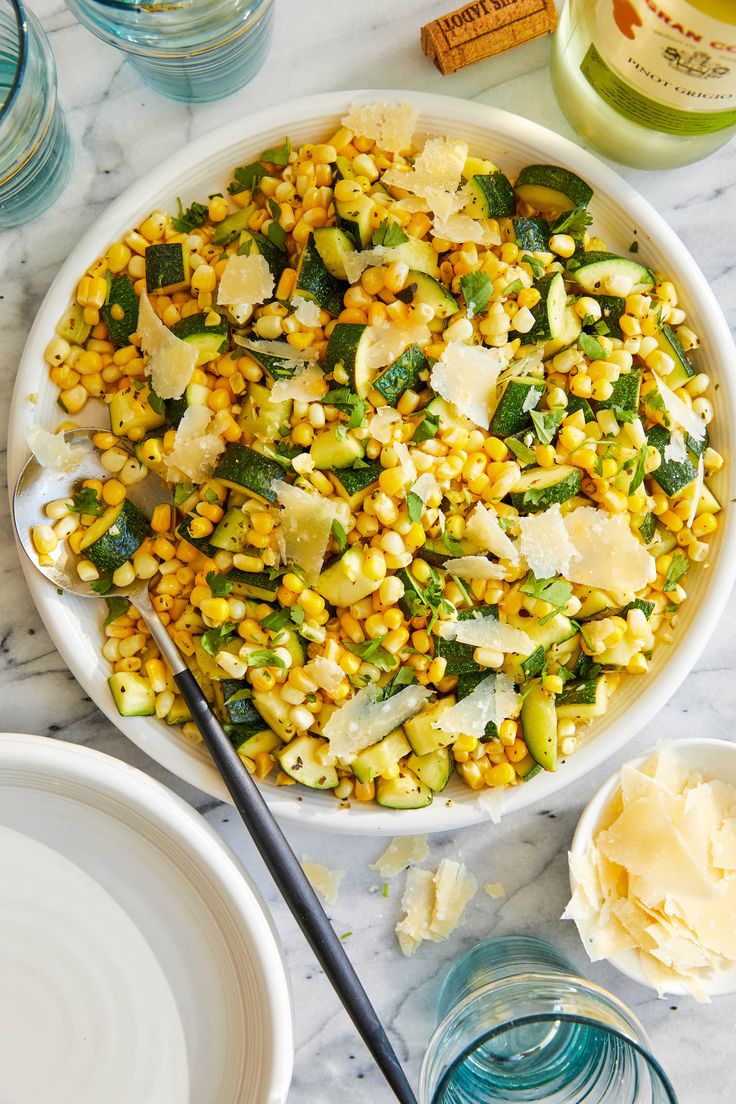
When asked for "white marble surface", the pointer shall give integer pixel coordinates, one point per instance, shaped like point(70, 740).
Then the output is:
point(121, 129)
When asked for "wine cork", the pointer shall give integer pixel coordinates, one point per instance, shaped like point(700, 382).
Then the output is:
point(480, 30)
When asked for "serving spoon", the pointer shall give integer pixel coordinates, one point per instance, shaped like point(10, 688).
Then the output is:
point(36, 487)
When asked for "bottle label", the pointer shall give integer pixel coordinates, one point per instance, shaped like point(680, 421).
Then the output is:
point(664, 65)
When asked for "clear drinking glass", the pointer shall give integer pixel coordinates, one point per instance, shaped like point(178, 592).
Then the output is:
point(35, 152)
point(516, 1024)
point(192, 50)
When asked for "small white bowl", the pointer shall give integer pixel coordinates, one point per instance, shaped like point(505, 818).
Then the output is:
point(138, 960)
point(716, 759)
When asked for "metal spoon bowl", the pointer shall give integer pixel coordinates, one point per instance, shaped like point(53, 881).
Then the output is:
point(36, 487)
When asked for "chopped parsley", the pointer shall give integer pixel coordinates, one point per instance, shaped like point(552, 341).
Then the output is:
point(477, 289)
point(679, 566)
point(371, 651)
point(520, 450)
point(191, 219)
point(87, 501)
point(249, 176)
point(389, 233)
point(219, 584)
point(414, 506)
point(546, 424)
point(214, 640)
point(536, 266)
point(339, 534)
point(427, 428)
point(574, 222)
point(116, 607)
point(557, 592)
point(592, 347)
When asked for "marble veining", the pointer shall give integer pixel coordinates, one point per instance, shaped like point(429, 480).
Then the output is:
point(120, 130)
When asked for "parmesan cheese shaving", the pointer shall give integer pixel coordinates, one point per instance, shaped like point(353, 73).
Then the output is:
point(391, 126)
point(462, 228)
point(659, 879)
point(306, 385)
point(328, 675)
point(487, 632)
point(363, 720)
point(401, 853)
point(466, 376)
point(607, 554)
point(406, 463)
point(675, 450)
point(483, 529)
point(494, 890)
point(359, 260)
point(383, 423)
point(427, 488)
point(508, 702)
point(545, 543)
point(245, 279)
point(474, 567)
point(492, 802)
point(324, 881)
point(435, 176)
point(305, 525)
point(682, 414)
point(306, 311)
point(282, 350)
point(471, 715)
point(171, 361)
point(433, 904)
point(388, 340)
point(195, 451)
point(52, 451)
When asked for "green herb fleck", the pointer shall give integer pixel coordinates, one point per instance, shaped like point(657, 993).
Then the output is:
point(679, 566)
point(182, 491)
point(414, 506)
point(536, 266)
point(513, 288)
point(520, 450)
point(592, 347)
point(214, 640)
point(546, 424)
point(191, 219)
point(219, 584)
point(277, 620)
point(427, 428)
point(574, 223)
point(477, 289)
point(389, 233)
point(116, 607)
point(340, 535)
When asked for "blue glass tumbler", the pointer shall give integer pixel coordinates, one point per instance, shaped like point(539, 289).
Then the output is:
point(191, 50)
point(517, 1024)
point(35, 152)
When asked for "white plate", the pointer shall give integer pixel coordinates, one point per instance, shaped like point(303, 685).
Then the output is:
point(620, 215)
point(137, 960)
point(716, 759)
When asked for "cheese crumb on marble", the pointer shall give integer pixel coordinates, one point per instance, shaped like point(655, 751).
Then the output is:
point(401, 853)
point(494, 890)
point(171, 361)
point(324, 881)
point(433, 904)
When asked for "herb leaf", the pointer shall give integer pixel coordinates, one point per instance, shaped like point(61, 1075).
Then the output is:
point(191, 219)
point(679, 566)
point(219, 584)
point(87, 501)
point(574, 222)
point(536, 266)
point(546, 424)
point(477, 289)
point(116, 607)
point(277, 620)
point(103, 585)
point(156, 403)
point(214, 639)
point(520, 450)
point(513, 288)
point(265, 657)
point(556, 591)
point(349, 403)
point(404, 677)
point(278, 155)
point(182, 491)
point(389, 233)
point(371, 652)
point(339, 534)
point(414, 506)
point(639, 471)
point(592, 347)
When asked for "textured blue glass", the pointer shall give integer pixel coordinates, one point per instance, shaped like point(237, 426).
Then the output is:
point(35, 152)
point(516, 1025)
point(192, 50)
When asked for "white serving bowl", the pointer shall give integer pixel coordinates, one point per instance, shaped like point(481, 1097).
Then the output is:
point(716, 759)
point(138, 960)
point(620, 215)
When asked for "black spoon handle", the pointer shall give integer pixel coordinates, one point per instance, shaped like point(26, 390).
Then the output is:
point(295, 888)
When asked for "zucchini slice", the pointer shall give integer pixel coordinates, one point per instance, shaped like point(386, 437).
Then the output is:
point(332, 244)
point(402, 375)
point(549, 313)
point(380, 757)
point(625, 393)
point(315, 281)
point(418, 255)
point(612, 307)
point(538, 488)
point(539, 726)
point(347, 346)
point(513, 412)
point(243, 469)
point(130, 410)
point(73, 328)
point(433, 769)
point(570, 330)
point(669, 342)
point(671, 475)
point(459, 656)
point(589, 270)
point(134, 696)
point(252, 584)
point(260, 418)
point(490, 196)
point(421, 733)
point(113, 538)
point(167, 267)
point(275, 712)
point(432, 292)
point(404, 792)
point(301, 761)
point(330, 451)
point(355, 484)
point(232, 225)
point(345, 581)
point(552, 188)
point(355, 217)
point(231, 533)
point(121, 297)
point(532, 234)
point(209, 341)
point(276, 368)
point(583, 701)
